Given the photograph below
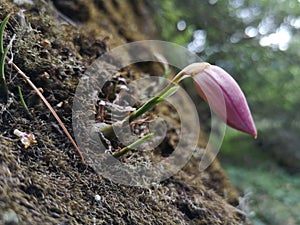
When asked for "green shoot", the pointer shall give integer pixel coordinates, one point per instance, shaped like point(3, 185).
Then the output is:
point(168, 91)
point(3, 84)
point(23, 102)
point(2, 27)
point(133, 145)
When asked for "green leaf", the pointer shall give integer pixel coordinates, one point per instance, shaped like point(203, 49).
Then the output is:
point(133, 145)
point(153, 101)
point(3, 84)
point(2, 63)
point(2, 27)
point(23, 102)
point(167, 93)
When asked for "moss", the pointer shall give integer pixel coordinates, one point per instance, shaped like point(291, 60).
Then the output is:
point(47, 183)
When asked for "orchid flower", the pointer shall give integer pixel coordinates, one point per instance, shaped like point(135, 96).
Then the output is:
point(216, 87)
point(222, 93)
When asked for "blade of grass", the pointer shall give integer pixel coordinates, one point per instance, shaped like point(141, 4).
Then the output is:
point(27, 79)
point(133, 145)
point(23, 102)
point(167, 92)
point(3, 84)
point(2, 27)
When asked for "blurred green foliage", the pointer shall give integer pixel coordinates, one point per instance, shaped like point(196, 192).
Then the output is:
point(271, 195)
point(272, 201)
point(258, 43)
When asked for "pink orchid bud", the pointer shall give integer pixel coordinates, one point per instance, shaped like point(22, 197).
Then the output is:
point(225, 97)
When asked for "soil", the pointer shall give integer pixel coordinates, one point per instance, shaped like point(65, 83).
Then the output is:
point(47, 183)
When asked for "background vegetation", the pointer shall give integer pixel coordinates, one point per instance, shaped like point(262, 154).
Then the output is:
point(258, 42)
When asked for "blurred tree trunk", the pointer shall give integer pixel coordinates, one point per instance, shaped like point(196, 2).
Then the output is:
point(125, 20)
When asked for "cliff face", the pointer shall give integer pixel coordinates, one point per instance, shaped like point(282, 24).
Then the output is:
point(47, 183)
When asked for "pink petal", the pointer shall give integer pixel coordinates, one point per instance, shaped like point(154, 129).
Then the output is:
point(225, 98)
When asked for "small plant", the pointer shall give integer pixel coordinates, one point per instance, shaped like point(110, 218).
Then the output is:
point(216, 87)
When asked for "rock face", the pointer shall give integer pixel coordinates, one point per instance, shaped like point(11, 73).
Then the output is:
point(47, 183)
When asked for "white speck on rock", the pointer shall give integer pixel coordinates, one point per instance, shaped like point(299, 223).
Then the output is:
point(97, 198)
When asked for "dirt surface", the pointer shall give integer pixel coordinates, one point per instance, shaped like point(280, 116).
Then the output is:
point(47, 183)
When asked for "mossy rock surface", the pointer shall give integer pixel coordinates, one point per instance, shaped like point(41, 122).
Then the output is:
point(47, 183)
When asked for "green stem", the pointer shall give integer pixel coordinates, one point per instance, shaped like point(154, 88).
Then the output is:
point(2, 27)
point(23, 102)
point(133, 145)
point(168, 91)
point(178, 77)
point(3, 84)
